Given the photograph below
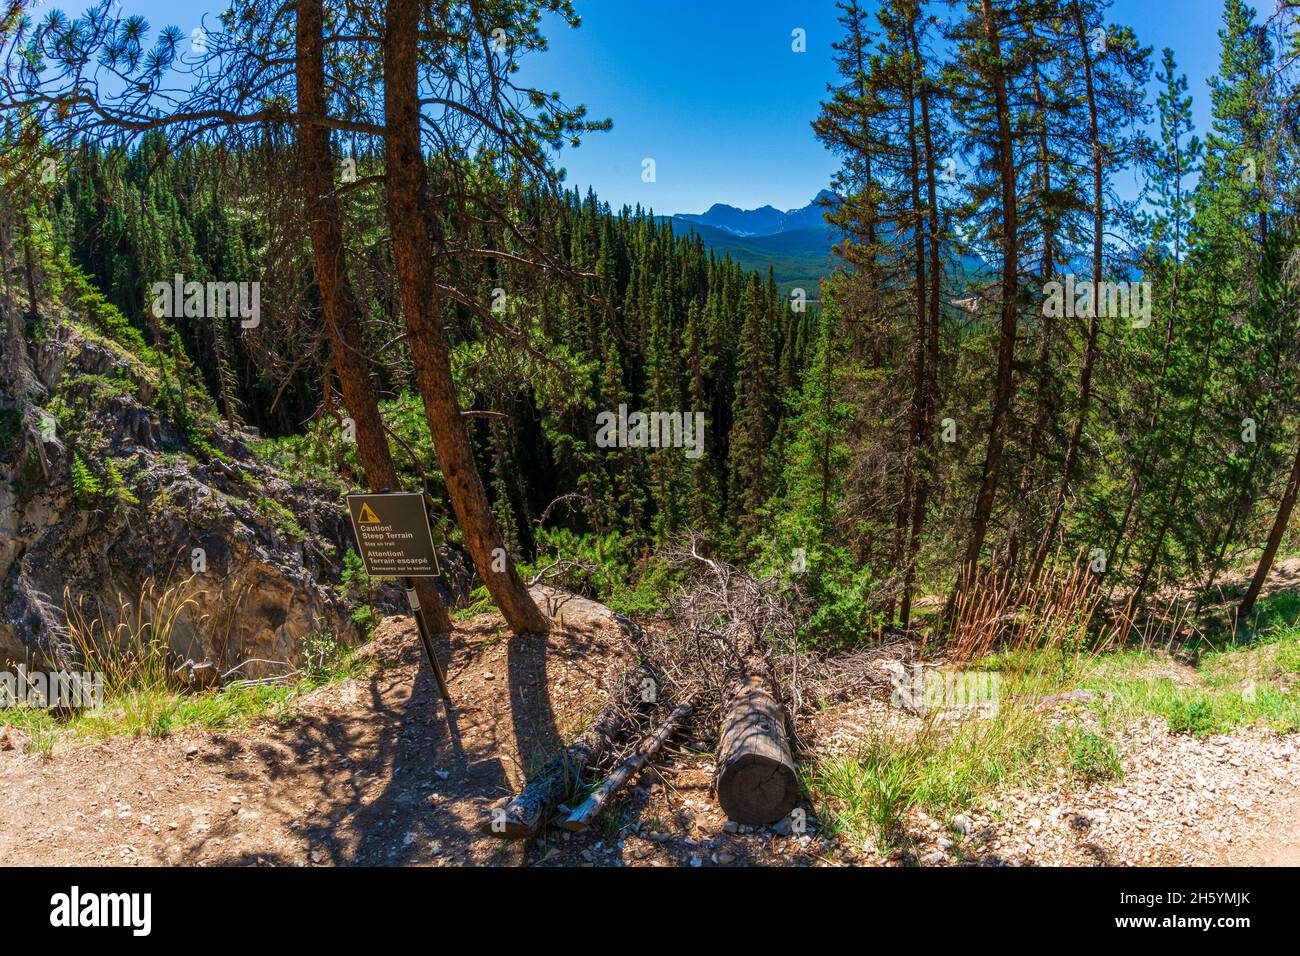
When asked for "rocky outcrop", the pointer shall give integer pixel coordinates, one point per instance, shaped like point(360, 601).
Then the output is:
point(252, 560)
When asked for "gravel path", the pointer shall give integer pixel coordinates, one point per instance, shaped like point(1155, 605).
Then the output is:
point(371, 771)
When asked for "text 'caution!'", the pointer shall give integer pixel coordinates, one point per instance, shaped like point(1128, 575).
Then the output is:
point(393, 534)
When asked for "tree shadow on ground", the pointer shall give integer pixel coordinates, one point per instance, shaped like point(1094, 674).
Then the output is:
point(380, 773)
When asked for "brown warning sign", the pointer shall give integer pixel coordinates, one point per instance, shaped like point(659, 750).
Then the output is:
point(393, 535)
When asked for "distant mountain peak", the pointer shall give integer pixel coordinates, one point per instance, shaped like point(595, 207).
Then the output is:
point(764, 221)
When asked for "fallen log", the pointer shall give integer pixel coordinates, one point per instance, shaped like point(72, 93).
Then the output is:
point(590, 808)
point(523, 816)
point(757, 782)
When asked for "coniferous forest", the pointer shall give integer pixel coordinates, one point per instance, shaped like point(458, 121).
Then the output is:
point(1048, 375)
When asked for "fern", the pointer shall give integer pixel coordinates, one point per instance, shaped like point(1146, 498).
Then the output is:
point(117, 486)
point(85, 486)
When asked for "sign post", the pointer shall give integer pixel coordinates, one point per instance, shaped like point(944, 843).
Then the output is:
point(392, 531)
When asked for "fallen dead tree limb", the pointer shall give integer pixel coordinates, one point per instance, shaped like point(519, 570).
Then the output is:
point(724, 624)
point(732, 648)
point(523, 816)
point(757, 781)
point(582, 817)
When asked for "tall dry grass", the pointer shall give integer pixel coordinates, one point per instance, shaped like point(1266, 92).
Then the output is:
point(129, 647)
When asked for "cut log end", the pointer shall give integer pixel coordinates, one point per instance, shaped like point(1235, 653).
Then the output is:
point(509, 830)
point(757, 781)
point(757, 790)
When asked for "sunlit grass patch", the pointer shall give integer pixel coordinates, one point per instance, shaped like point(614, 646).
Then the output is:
point(1276, 613)
point(158, 711)
point(142, 697)
point(38, 724)
point(1228, 689)
point(1202, 711)
point(947, 768)
point(1235, 685)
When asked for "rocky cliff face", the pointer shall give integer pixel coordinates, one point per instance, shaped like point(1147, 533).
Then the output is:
point(102, 495)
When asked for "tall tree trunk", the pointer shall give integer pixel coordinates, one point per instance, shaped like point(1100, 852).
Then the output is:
point(1090, 343)
point(1136, 482)
point(1242, 508)
point(1010, 295)
point(338, 302)
point(1188, 448)
point(916, 425)
point(29, 264)
point(5, 230)
point(1244, 501)
point(425, 334)
point(930, 403)
point(1045, 332)
point(828, 402)
point(1274, 542)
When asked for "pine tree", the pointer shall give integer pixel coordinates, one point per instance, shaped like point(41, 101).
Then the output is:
point(985, 74)
point(753, 414)
point(1175, 162)
point(1114, 72)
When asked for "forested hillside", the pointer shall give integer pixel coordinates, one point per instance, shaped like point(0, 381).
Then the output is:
point(642, 318)
point(932, 423)
point(1145, 428)
point(908, 559)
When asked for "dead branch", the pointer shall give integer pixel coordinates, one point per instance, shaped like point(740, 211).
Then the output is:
point(523, 816)
point(581, 818)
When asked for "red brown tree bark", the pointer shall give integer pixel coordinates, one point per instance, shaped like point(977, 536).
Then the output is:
point(338, 302)
point(1274, 542)
point(929, 439)
point(1090, 343)
point(430, 354)
point(1009, 306)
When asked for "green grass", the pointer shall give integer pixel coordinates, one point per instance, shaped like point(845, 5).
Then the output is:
point(155, 710)
point(945, 769)
point(1229, 688)
point(948, 768)
point(1090, 757)
point(1247, 679)
point(41, 727)
point(1276, 614)
point(1234, 684)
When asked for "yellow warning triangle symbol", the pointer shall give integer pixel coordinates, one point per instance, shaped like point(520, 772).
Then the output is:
point(368, 515)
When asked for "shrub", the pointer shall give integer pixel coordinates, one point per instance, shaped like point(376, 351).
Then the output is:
point(614, 569)
point(323, 656)
point(356, 586)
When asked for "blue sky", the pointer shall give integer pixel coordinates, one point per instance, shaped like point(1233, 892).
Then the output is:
point(711, 90)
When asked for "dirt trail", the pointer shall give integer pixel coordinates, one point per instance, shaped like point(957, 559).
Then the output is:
point(374, 771)
point(1276, 842)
